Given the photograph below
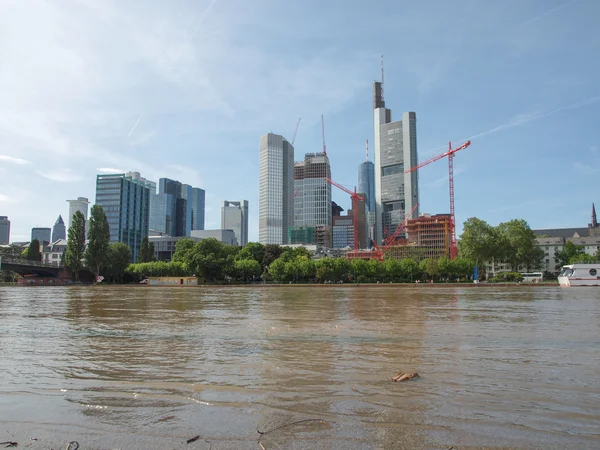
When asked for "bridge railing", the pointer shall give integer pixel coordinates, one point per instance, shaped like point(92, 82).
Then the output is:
point(25, 262)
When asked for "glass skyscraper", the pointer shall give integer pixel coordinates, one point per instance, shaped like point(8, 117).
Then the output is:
point(125, 199)
point(195, 207)
point(234, 216)
point(4, 230)
point(59, 231)
point(276, 184)
point(366, 186)
point(177, 208)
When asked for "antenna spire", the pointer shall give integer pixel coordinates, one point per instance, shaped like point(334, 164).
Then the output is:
point(382, 78)
point(323, 133)
point(367, 149)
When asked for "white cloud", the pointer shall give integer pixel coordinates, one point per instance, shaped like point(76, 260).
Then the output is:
point(13, 160)
point(62, 176)
point(6, 199)
point(109, 170)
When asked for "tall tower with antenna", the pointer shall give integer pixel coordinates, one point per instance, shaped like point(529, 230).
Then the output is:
point(366, 187)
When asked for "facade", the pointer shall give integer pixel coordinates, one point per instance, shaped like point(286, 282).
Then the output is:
point(4, 230)
point(53, 253)
point(234, 216)
point(177, 208)
point(302, 236)
point(196, 201)
point(81, 205)
point(125, 199)
point(312, 201)
point(550, 245)
point(396, 193)
point(343, 232)
point(59, 231)
point(431, 233)
point(366, 186)
point(224, 236)
point(42, 234)
point(164, 246)
point(276, 189)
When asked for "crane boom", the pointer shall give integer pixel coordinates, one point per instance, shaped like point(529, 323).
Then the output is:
point(296, 131)
point(452, 151)
point(401, 226)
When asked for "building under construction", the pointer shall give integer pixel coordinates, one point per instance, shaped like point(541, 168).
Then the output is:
point(312, 197)
point(428, 236)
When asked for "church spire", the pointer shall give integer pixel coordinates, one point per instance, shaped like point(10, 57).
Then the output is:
point(594, 219)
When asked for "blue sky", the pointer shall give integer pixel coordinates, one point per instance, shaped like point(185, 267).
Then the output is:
point(184, 89)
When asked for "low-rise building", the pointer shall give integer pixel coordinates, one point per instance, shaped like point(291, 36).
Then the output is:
point(164, 246)
point(53, 253)
point(224, 236)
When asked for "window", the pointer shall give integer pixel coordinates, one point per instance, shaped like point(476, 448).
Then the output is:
point(392, 170)
point(593, 272)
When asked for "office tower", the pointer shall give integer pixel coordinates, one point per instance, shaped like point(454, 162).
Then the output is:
point(343, 228)
point(366, 186)
point(59, 231)
point(312, 196)
point(4, 230)
point(42, 234)
point(81, 205)
point(195, 207)
point(395, 151)
point(125, 199)
point(276, 184)
point(234, 216)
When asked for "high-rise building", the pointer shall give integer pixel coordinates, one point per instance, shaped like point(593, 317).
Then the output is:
point(59, 231)
point(177, 208)
point(234, 216)
point(125, 199)
point(396, 193)
point(343, 228)
point(4, 230)
point(42, 234)
point(366, 187)
point(196, 199)
point(81, 205)
point(312, 195)
point(276, 184)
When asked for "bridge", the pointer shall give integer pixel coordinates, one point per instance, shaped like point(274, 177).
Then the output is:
point(27, 267)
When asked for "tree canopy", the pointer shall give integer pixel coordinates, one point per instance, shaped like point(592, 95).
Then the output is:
point(98, 239)
point(75, 252)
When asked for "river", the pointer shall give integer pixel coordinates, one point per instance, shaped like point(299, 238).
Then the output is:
point(311, 368)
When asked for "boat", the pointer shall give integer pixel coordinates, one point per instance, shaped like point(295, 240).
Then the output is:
point(580, 275)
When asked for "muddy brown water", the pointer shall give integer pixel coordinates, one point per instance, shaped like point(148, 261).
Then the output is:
point(136, 368)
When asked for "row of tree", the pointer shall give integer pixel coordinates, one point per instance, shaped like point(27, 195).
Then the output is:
point(214, 261)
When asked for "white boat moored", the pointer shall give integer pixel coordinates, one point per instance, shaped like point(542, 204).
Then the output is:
point(580, 275)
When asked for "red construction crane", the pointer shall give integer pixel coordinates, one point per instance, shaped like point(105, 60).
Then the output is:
point(296, 130)
point(389, 241)
point(355, 199)
point(450, 154)
point(296, 193)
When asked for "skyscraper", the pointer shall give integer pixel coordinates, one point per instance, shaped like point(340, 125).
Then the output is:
point(276, 184)
point(195, 198)
point(4, 230)
point(395, 152)
point(312, 195)
point(234, 216)
point(125, 199)
point(366, 186)
point(81, 205)
point(59, 231)
point(177, 208)
point(42, 234)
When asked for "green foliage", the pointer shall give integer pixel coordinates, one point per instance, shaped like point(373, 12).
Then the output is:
point(583, 258)
point(479, 241)
point(98, 237)
point(569, 252)
point(507, 277)
point(33, 252)
point(518, 245)
point(157, 269)
point(146, 251)
point(73, 256)
point(8, 276)
point(430, 267)
point(245, 269)
point(271, 253)
point(117, 260)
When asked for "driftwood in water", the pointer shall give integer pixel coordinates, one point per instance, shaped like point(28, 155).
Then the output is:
point(403, 376)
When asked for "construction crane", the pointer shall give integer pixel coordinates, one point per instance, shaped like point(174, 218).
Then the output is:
point(296, 193)
point(323, 134)
point(296, 130)
point(389, 241)
point(450, 154)
point(355, 199)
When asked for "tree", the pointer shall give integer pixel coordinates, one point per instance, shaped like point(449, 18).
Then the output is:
point(409, 268)
point(479, 241)
point(430, 267)
point(146, 251)
point(98, 239)
point(519, 245)
point(184, 250)
point(117, 260)
point(583, 258)
point(33, 252)
point(567, 254)
point(272, 252)
point(252, 250)
point(246, 268)
point(76, 244)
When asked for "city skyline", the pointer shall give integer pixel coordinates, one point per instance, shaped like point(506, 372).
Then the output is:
point(508, 79)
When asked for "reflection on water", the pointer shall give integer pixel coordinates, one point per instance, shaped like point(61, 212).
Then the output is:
point(147, 367)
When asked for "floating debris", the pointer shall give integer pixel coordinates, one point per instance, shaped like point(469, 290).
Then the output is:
point(194, 439)
point(403, 376)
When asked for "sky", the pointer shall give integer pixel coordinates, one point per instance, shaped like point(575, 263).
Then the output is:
point(184, 89)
